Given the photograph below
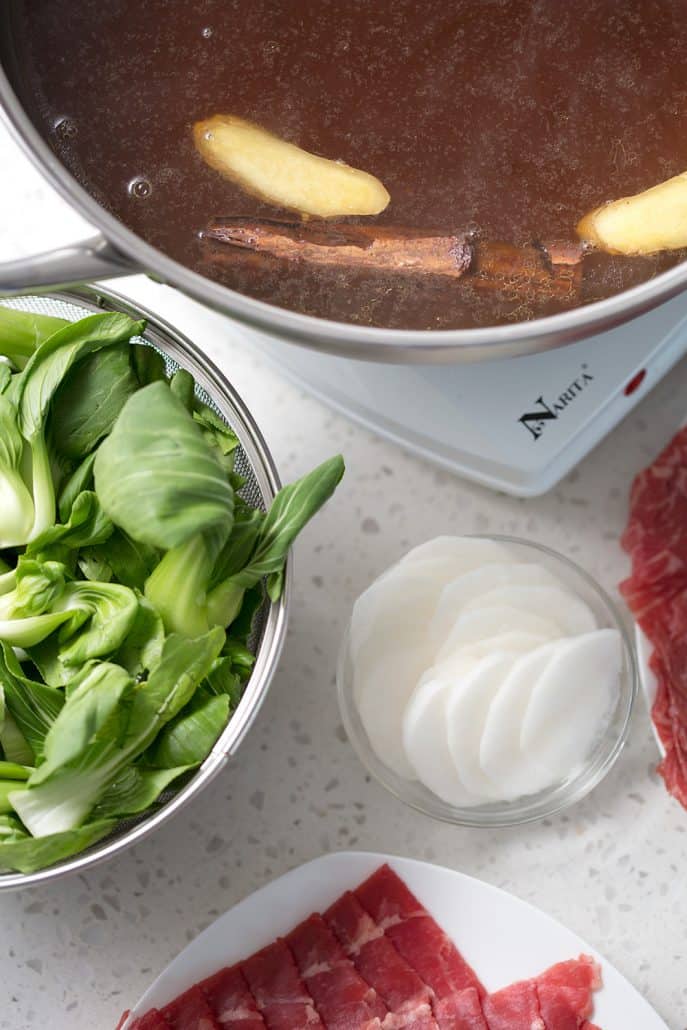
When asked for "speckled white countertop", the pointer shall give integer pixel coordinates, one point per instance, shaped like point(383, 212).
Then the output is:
point(74, 954)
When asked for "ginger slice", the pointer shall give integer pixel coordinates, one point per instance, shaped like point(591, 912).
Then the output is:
point(284, 174)
point(643, 224)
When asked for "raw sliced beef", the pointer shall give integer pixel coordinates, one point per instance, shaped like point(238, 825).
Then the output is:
point(558, 999)
point(654, 536)
point(557, 1011)
point(229, 997)
point(376, 960)
point(152, 1020)
point(515, 1008)
point(406, 997)
point(415, 934)
point(190, 1011)
point(343, 999)
point(579, 976)
point(657, 498)
point(352, 925)
point(656, 592)
point(279, 992)
point(461, 1011)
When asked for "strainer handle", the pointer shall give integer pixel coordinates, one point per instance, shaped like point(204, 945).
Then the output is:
point(77, 263)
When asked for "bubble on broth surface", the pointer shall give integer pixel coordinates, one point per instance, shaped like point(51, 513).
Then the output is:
point(206, 33)
point(140, 188)
point(65, 128)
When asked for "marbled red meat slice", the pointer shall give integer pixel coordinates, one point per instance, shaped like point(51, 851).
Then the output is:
point(669, 712)
point(656, 592)
point(514, 1008)
point(658, 501)
point(190, 1011)
point(415, 934)
point(557, 1012)
point(653, 536)
point(662, 577)
point(560, 998)
point(351, 924)
point(230, 999)
point(406, 997)
point(672, 769)
point(342, 997)
point(568, 983)
point(461, 1011)
point(279, 992)
point(152, 1020)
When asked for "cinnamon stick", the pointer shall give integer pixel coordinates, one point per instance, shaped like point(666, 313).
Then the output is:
point(363, 247)
point(554, 268)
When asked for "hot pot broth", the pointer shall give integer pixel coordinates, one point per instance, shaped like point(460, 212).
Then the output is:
point(506, 118)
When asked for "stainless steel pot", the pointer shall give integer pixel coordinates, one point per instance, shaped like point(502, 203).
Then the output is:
point(116, 250)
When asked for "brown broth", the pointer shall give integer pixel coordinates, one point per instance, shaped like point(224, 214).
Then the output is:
point(508, 117)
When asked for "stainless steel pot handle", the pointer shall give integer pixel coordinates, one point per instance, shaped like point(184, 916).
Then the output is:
point(72, 265)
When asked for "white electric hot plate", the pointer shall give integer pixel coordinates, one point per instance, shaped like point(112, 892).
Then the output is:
point(503, 938)
point(515, 425)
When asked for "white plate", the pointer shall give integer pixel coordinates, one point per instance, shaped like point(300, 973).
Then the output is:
point(647, 679)
point(503, 938)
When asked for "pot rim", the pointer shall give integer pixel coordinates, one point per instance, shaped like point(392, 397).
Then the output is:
point(344, 339)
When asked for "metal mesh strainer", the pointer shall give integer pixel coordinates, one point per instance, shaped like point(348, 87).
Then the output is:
point(255, 464)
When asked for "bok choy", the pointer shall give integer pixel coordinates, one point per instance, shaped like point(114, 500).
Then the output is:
point(131, 570)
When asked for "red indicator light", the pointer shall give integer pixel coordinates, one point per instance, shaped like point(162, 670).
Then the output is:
point(635, 382)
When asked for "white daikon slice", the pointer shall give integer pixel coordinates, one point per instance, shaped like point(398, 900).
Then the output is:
point(459, 554)
point(397, 606)
point(513, 771)
point(467, 706)
point(556, 604)
point(425, 737)
point(477, 582)
point(573, 700)
point(475, 627)
point(513, 643)
point(384, 689)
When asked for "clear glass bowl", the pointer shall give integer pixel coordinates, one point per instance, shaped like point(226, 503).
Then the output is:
point(553, 799)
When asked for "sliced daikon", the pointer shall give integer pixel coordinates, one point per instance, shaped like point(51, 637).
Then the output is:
point(467, 707)
point(514, 643)
point(514, 770)
point(425, 737)
point(475, 583)
point(459, 553)
point(384, 690)
point(555, 604)
point(573, 700)
point(398, 605)
point(482, 624)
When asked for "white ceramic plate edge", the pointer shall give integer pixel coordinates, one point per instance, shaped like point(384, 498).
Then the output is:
point(647, 679)
point(506, 939)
